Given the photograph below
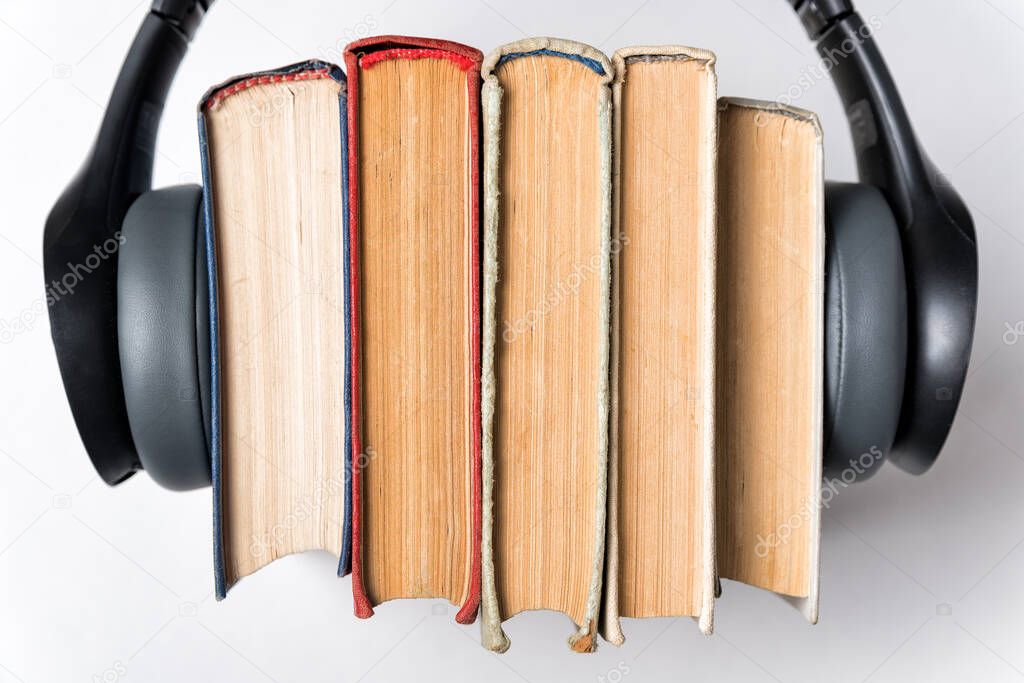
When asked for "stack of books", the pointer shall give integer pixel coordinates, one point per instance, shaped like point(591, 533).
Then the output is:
point(536, 331)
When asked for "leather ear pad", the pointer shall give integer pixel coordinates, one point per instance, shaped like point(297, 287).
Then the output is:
point(162, 323)
point(865, 330)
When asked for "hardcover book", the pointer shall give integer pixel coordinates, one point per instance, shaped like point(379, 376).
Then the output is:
point(770, 339)
point(547, 220)
point(661, 544)
point(413, 124)
point(272, 147)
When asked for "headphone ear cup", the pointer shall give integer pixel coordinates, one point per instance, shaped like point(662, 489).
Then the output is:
point(161, 329)
point(865, 330)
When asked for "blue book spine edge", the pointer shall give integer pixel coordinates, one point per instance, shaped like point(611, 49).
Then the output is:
point(591, 64)
point(345, 561)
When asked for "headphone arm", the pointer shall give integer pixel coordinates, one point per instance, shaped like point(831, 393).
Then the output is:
point(936, 229)
point(81, 298)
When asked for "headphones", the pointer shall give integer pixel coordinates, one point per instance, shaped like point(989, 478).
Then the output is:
point(133, 338)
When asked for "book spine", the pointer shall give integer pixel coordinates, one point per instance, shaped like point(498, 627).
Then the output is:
point(345, 560)
point(361, 602)
point(467, 614)
point(219, 575)
point(491, 634)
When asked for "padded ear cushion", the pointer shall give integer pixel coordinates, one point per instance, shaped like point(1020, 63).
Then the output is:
point(865, 330)
point(160, 335)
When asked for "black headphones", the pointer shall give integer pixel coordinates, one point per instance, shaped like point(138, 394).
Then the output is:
point(132, 331)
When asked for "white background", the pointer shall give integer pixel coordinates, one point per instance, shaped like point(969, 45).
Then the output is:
point(920, 576)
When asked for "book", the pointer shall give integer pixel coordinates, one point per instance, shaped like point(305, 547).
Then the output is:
point(414, 192)
point(547, 220)
point(272, 147)
point(770, 348)
point(661, 543)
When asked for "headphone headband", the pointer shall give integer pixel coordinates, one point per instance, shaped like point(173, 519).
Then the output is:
point(186, 15)
point(818, 16)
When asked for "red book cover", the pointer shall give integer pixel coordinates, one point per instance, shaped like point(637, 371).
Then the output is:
point(360, 56)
